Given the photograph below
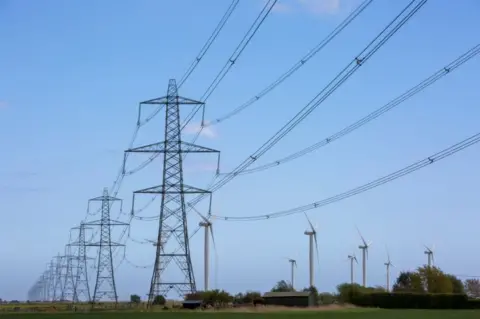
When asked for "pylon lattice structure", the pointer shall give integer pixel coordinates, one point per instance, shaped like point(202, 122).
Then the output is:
point(105, 283)
point(82, 289)
point(58, 287)
point(51, 282)
point(173, 221)
point(68, 289)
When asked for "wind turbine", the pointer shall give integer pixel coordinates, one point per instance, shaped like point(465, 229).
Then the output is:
point(312, 234)
point(388, 264)
point(207, 224)
point(293, 264)
point(352, 259)
point(364, 249)
point(429, 253)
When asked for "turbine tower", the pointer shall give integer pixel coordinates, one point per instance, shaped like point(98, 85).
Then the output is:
point(172, 242)
point(352, 258)
point(312, 236)
point(430, 256)
point(207, 224)
point(293, 264)
point(364, 248)
point(388, 264)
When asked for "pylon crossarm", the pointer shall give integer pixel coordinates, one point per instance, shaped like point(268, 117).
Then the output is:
point(159, 147)
point(167, 99)
point(172, 189)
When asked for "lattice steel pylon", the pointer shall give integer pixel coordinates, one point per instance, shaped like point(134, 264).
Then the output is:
point(105, 283)
point(82, 288)
point(68, 289)
point(173, 220)
point(58, 289)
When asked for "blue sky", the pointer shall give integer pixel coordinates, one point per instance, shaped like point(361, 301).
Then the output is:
point(72, 74)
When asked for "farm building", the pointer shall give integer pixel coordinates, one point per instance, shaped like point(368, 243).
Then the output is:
point(289, 299)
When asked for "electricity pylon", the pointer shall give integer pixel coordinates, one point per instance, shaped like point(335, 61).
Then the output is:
point(105, 283)
point(173, 217)
point(58, 287)
point(68, 289)
point(82, 289)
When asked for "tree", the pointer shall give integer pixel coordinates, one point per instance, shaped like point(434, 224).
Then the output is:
point(408, 281)
point(434, 280)
point(282, 286)
point(159, 300)
point(135, 299)
point(472, 288)
point(346, 291)
point(326, 298)
point(250, 296)
point(457, 284)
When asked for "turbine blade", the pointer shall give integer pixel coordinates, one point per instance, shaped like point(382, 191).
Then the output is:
point(363, 239)
point(198, 213)
point(213, 237)
point(309, 222)
point(316, 247)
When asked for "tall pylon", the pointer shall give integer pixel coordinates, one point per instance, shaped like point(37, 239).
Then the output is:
point(51, 281)
point(82, 289)
point(105, 283)
point(173, 217)
point(68, 289)
point(58, 287)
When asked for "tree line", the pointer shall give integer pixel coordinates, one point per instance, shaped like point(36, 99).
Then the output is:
point(422, 281)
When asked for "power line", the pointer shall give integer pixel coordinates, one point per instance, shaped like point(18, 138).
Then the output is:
point(230, 62)
point(373, 184)
point(209, 42)
point(370, 117)
point(360, 59)
point(303, 61)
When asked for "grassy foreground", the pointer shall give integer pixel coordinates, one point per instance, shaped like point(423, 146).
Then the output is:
point(336, 314)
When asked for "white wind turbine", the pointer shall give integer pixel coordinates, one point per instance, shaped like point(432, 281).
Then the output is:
point(312, 234)
point(388, 264)
point(430, 255)
point(293, 265)
point(352, 259)
point(364, 248)
point(207, 224)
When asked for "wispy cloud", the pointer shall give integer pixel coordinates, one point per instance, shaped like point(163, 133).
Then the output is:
point(194, 128)
point(18, 174)
point(318, 7)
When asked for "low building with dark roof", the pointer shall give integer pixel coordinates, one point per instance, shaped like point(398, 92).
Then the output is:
point(290, 299)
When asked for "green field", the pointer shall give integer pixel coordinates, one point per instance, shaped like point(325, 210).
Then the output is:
point(341, 314)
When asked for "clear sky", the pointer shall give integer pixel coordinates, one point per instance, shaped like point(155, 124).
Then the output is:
point(73, 72)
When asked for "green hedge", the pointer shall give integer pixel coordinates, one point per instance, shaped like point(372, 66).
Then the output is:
point(414, 301)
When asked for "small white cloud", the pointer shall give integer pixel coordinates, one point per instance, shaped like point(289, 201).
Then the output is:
point(281, 7)
point(194, 128)
point(318, 7)
point(321, 6)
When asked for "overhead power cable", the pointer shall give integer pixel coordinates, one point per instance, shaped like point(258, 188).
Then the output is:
point(400, 20)
point(358, 61)
point(303, 61)
point(209, 42)
point(373, 184)
point(372, 116)
point(231, 61)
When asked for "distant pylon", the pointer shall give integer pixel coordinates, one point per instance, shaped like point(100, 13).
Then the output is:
point(58, 287)
point(82, 289)
point(173, 220)
point(51, 282)
point(68, 290)
point(105, 283)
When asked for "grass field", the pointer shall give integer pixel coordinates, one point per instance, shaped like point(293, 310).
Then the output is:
point(335, 314)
